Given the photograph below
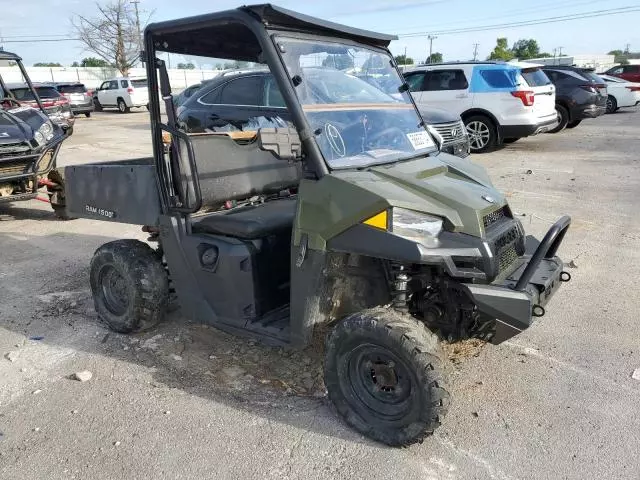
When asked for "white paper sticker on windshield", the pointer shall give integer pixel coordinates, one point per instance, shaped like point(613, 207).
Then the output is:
point(420, 140)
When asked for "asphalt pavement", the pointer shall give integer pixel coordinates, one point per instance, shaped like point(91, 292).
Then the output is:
point(186, 401)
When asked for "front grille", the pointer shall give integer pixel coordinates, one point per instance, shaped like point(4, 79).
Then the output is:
point(508, 247)
point(506, 257)
point(20, 167)
point(14, 150)
point(493, 217)
point(451, 132)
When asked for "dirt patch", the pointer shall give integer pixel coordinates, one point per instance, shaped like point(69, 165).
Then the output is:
point(459, 351)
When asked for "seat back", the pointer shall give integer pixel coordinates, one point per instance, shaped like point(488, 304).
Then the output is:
point(227, 170)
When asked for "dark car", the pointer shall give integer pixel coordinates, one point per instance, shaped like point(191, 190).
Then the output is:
point(80, 100)
point(580, 94)
point(29, 145)
point(251, 99)
point(55, 105)
point(631, 73)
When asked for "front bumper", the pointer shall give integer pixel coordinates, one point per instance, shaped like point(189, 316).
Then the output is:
point(514, 301)
point(459, 149)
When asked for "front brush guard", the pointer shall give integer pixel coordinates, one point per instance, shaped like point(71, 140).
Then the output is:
point(514, 301)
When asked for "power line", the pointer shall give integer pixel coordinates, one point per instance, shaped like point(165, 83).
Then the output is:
point(563, 18)
point(507, 14)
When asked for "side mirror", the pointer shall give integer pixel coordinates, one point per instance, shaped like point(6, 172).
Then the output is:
point(284, 143)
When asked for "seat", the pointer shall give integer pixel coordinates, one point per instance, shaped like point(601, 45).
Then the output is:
point(250, 223)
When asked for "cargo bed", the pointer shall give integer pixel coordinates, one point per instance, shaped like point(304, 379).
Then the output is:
point(125, 191)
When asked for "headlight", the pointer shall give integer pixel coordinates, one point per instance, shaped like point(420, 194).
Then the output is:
point(39, 138)
point(419, 227)
point(46, 130)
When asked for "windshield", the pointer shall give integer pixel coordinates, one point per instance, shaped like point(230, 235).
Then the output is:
point(535, 77)
point(79, 88)
point(139, 83)
point(26, 95)
point(353, 102)
point(592, 76)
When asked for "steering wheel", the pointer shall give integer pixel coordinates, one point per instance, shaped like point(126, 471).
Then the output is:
point(389, 137)
point(5, 100)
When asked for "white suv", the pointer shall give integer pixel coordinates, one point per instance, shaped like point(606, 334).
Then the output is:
point(122, 93)
point(498, 102)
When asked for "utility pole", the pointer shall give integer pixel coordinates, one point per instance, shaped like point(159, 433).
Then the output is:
point(475, 51)
point(626, 49)
point(135, 4)
point(431, 39)
point(560, 51)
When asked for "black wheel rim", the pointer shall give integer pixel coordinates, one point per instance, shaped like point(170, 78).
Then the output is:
point(114, 290)
point(121, 106)
point(380, 381)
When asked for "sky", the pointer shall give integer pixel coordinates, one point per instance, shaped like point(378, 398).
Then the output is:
point(401, 17)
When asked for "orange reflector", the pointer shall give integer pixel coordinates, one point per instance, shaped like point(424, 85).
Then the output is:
point(378, 221)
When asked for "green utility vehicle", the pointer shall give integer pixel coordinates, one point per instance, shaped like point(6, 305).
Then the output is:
point(347, 215)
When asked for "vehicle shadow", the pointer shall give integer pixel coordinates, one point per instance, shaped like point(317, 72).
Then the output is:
point(11, 212)
point(278, 384)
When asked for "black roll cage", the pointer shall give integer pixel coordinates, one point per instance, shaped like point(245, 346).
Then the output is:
point(265, 22)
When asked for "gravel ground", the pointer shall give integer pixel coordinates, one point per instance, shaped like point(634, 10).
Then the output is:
point(187, 401)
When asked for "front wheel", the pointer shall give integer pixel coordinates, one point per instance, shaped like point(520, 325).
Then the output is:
point(612, 104)
point(483, 135)
point(87, 114)
point(563, 119)
point(130, 285)
point(510, 140)
point(574, 124)
point(97, 105)
point(383, 373)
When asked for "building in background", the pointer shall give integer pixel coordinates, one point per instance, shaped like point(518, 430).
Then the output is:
point(597, 61)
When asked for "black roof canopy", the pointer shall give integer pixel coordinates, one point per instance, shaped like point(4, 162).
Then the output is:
point(9, 56)
point(227, 34)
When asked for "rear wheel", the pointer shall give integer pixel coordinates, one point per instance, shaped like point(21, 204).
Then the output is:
point(87, 114)
point(122, 106)
point(130, 285)
point(612, 104)
point(563, 119)
point(483, 135)
point(574, 124)
point(383, 373)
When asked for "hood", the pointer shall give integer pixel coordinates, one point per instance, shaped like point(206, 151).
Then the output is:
point(434, 116)
point(442, 185)
point(13, 129)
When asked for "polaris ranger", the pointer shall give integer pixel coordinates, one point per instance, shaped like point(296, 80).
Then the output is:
point(348, 215)
point(29, 145)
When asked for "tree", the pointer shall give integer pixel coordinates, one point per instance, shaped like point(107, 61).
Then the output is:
point(501, 51)
point(340, 61)
point(186, 66)
point(623, 56)
point(526, 48)
point(436, 57)
point(112, 34)
point(402, 60)
point(46, 64)
point(94, 62)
